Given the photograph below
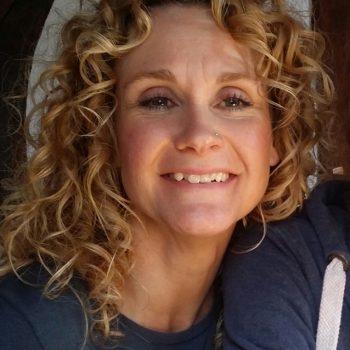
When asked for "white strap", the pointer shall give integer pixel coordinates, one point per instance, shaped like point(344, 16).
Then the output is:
point(331, 306)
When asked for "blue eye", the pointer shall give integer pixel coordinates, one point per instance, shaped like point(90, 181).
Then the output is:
point(159, 103)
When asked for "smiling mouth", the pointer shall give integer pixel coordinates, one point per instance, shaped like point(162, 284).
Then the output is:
point(200, 179)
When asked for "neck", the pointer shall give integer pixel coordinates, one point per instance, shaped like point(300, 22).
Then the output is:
point(171, 285)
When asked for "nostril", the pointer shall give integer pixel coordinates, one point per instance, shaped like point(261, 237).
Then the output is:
point(199, 140)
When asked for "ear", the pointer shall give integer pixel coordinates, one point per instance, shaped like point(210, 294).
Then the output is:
point(274, 157)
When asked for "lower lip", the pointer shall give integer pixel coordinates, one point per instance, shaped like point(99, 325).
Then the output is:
point(208, 185)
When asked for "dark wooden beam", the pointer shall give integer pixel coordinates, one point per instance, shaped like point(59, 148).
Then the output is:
point(333, 19)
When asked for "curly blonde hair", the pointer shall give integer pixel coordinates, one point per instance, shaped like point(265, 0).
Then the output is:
point(68, 210)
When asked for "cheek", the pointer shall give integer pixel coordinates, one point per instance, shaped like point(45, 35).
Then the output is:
point(139, 145)
point(130, 162)
point(255, 139)
point(132, 146)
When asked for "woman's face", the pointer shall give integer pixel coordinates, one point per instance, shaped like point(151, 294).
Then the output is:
point(193, 126)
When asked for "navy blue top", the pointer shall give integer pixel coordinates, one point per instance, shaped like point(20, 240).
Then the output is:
point(272, 294)
point(30, 321)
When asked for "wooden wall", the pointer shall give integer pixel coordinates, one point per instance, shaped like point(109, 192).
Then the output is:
point(332, 17)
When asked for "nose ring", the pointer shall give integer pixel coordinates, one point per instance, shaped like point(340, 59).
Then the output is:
point(216, 134)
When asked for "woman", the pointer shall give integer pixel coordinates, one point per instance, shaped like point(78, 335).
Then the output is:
point(162, 122)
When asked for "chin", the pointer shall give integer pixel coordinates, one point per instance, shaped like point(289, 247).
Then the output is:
point(208, 225)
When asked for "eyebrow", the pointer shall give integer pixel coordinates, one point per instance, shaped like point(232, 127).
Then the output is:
point(234, 76)
point(167, 75)
point(162, 74)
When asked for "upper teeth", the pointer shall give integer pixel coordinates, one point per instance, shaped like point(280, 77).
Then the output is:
point(205, 178)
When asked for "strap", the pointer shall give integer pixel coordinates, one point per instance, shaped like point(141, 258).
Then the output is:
point(331, 304)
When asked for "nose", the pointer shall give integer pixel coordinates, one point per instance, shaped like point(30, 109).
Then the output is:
point(199, 132)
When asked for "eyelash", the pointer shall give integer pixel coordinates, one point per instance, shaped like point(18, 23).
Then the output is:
point(241, 102)
point(165, 103)
point(160, 102)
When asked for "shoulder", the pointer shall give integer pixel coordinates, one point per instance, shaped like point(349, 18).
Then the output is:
point(27, 315)
point(311, 234)
point(272, 293)
point(320, 228)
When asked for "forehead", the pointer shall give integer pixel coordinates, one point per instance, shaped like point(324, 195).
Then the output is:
point(187, 37)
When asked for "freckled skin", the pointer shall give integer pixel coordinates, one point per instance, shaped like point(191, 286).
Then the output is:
point(177, 133)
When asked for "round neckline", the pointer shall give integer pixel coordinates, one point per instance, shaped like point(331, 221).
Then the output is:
point(150, 336)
